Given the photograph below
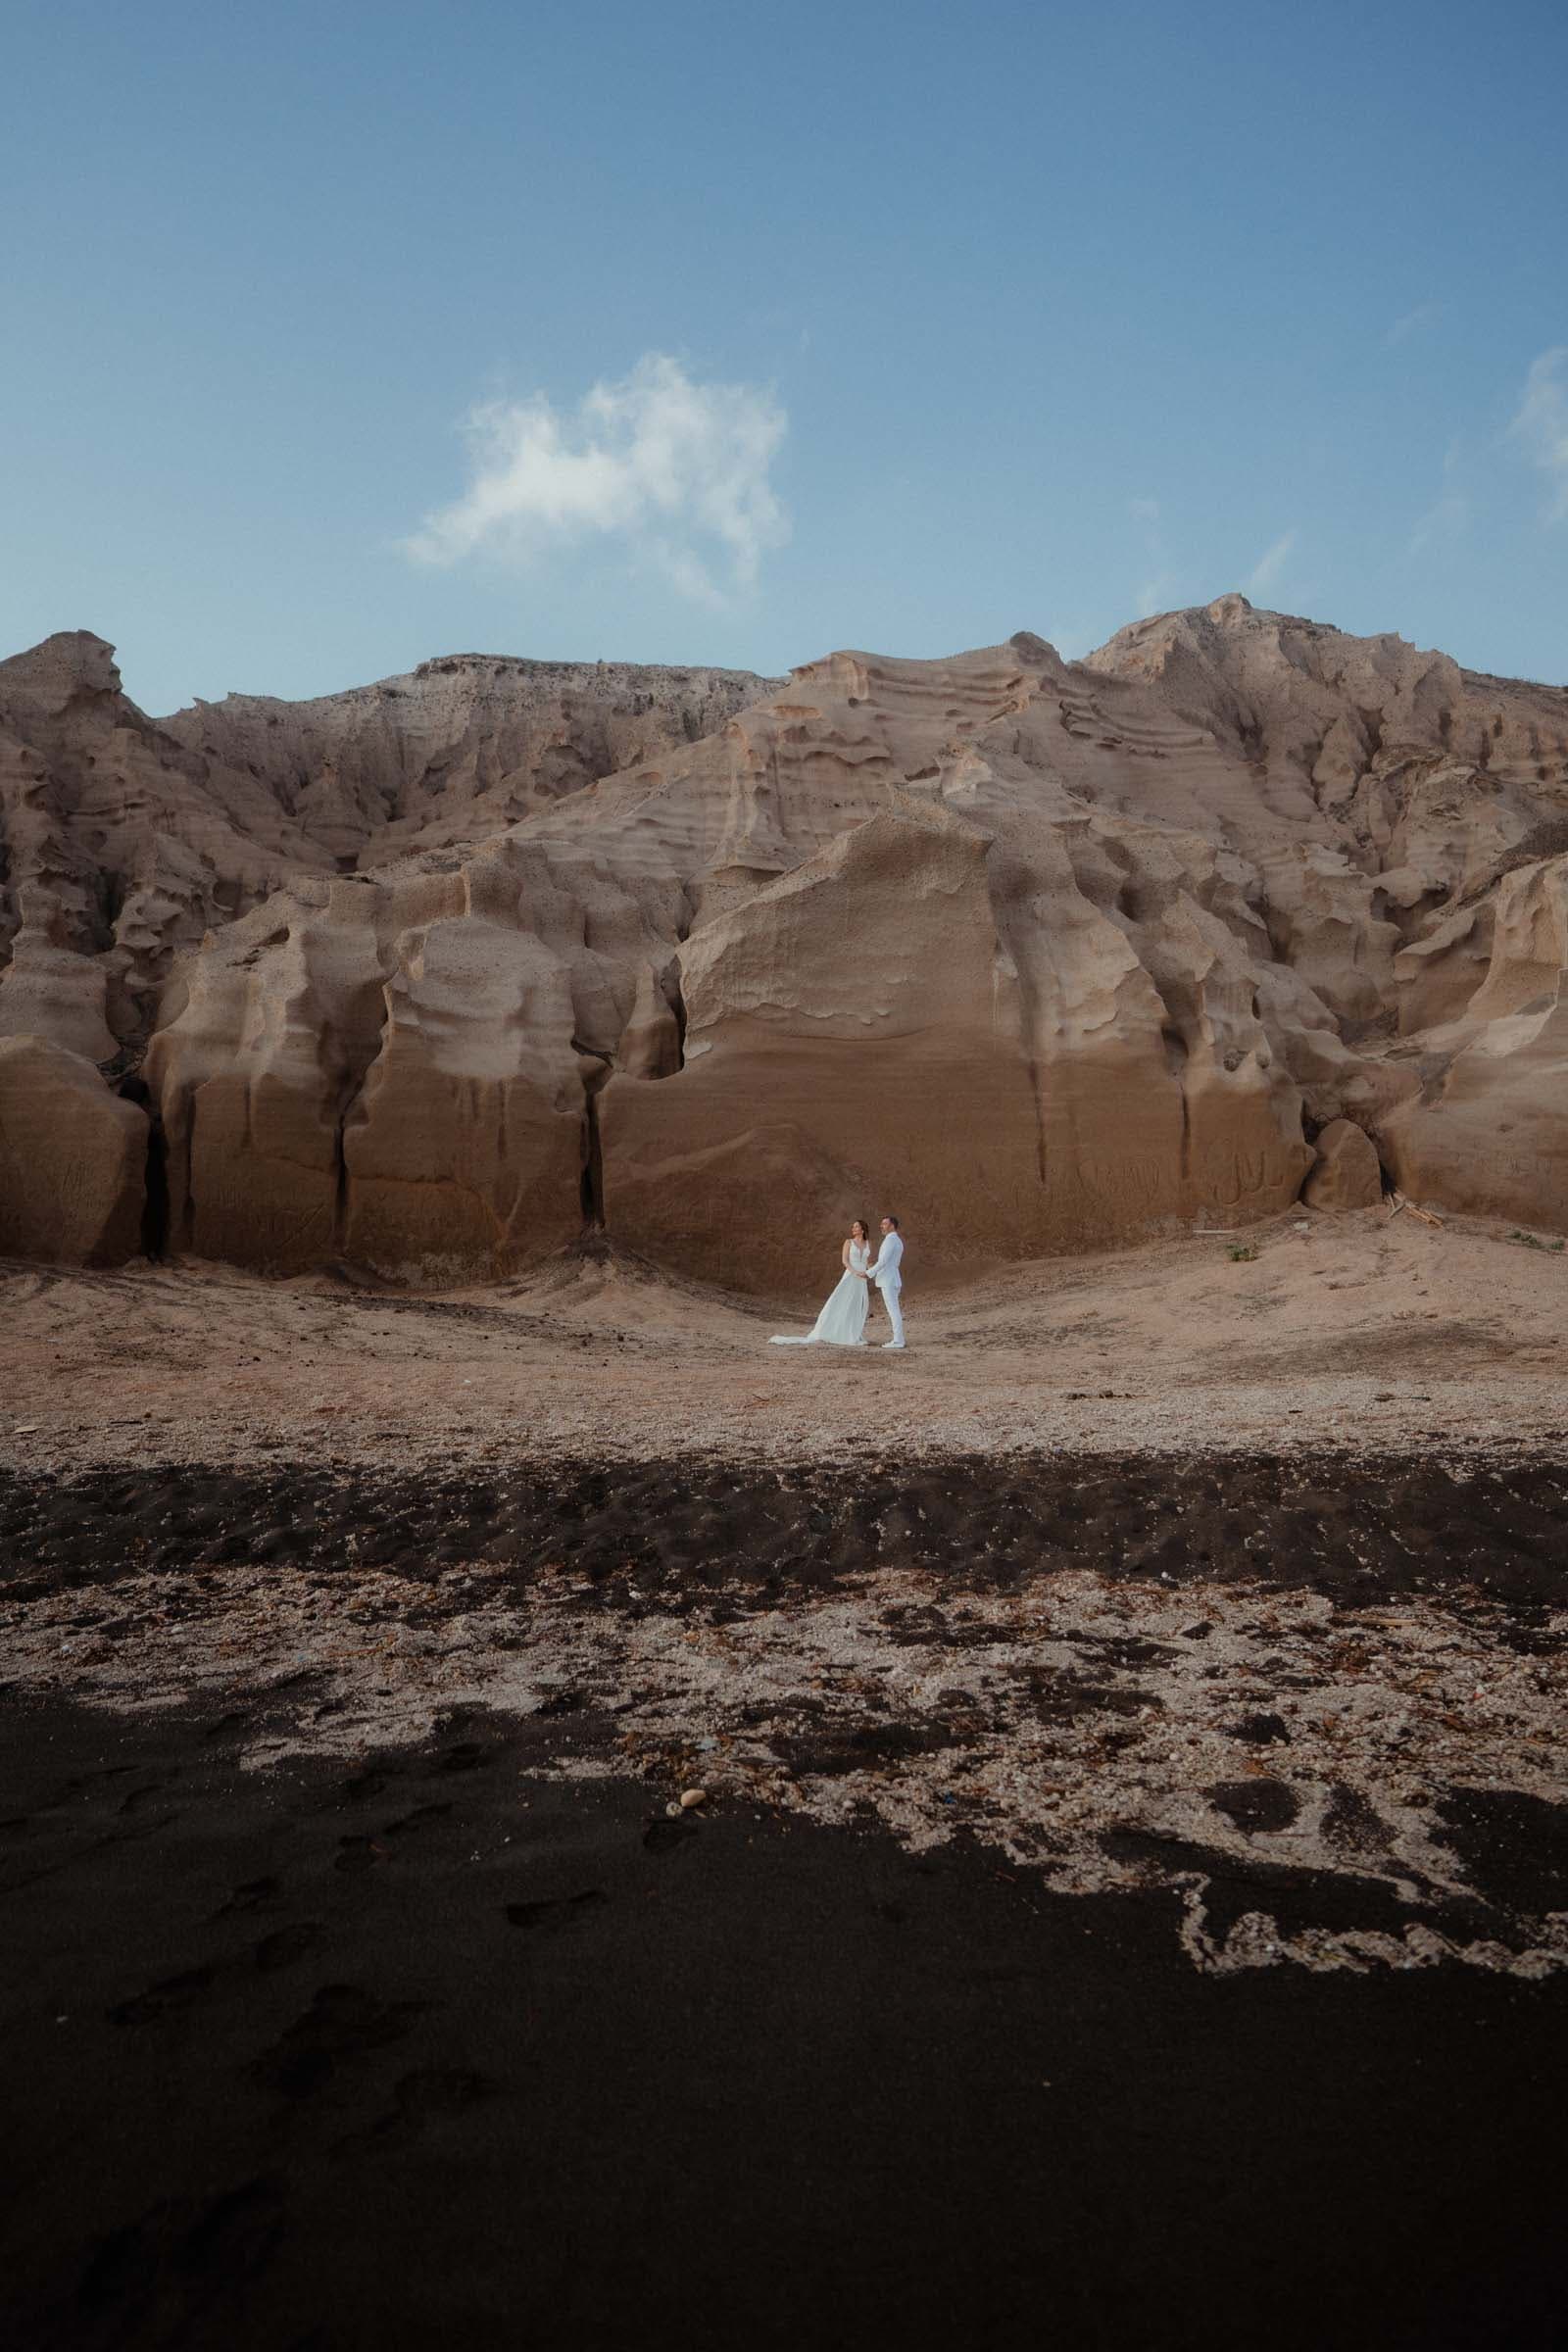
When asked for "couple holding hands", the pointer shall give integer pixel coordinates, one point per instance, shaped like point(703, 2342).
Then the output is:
point(842, 1322)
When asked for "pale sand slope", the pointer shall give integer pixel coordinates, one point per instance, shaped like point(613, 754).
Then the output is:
point(1351, 1333)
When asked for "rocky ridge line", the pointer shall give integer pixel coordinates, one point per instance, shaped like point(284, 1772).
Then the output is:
point(432, 975)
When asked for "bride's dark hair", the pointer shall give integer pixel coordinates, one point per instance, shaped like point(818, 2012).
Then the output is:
point(865, 1230)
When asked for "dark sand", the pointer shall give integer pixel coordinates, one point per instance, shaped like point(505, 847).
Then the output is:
point(428, 2045)
point(438, 2052)
point(1368, 1529)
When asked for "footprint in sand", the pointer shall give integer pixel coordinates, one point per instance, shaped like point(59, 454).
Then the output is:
point(358, 1853)
point(169, 1993)
point(663, 1836)
point(419, 1819)
point(140, 1798)
point(343, 2021)
point(557, 1911)
point(215, 2245)
point(251, 1896)
point(287, 1944)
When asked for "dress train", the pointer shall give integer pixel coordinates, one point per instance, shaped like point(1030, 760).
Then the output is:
point(842, 1322)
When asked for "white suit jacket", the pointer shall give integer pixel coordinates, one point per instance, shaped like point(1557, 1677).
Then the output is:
point(885, 1273)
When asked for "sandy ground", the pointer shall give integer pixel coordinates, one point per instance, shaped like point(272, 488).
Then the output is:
point(1127, 1900)
point(1355, 1332)
point(430, 2052)
point(1254, 1560)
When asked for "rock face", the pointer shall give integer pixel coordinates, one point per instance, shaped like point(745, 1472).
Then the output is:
point(1040, 955)
point(124, 839)
point(828, 1019)
point(1488, 1129)
point(126, 844)
point(1347, 1173)
point(73, 1159)
point(458, 749)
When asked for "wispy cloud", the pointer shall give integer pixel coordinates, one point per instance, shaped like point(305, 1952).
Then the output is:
point(1446, 520)
point(1413, 322)
point(1154, 595)
point(675, 469)
point(1071, 642)
point(1541, 425)
point(1449, 518)
point(1160, 585)
point(1271, 564)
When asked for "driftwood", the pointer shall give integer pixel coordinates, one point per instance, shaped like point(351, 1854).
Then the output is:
point(1425, 1214)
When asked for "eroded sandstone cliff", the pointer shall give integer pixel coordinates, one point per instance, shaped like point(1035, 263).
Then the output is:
point(430, 975)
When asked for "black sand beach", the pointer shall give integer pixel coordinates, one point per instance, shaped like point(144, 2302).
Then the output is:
point(1352, 1525)
point(427, 2044)
point(440, 2053)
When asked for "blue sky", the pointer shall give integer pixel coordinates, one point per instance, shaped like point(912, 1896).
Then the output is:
point(909, 327)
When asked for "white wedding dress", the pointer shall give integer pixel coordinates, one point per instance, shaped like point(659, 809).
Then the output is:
point(842, 1322)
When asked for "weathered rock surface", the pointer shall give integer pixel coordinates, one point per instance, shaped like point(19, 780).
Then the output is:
point(433, 974)
point(458, 749)
point(1488, 1130)
point(399, 1070)
point(124, 839)
point(1347, 1173)
point(73, 1159)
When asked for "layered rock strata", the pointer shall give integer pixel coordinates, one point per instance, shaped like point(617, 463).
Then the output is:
point(1041, 954)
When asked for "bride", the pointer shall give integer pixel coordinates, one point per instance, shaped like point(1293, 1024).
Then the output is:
point(842, 1322)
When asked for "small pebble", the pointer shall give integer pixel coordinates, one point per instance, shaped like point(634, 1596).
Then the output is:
point(692, 1796)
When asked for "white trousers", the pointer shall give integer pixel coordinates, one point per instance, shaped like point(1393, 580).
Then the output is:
point(892, 1302)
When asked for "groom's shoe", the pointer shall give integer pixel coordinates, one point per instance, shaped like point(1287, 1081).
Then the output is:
point(892, 1344)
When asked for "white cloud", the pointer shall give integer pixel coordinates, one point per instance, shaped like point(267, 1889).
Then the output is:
point(1541, 424)
point(1271, 564)
point(677, 469)
point(1412, 323)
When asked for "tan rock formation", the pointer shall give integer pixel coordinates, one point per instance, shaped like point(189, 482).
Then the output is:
point(124, 839)
point(1347, 1173)
point(398, 1070)
point(460, 748)
point(1488, 1130)
point(73, 1159)
point(1041, 953)
point(852, 1045)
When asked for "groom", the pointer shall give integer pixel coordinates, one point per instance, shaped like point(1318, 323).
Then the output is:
point(888, 1279)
